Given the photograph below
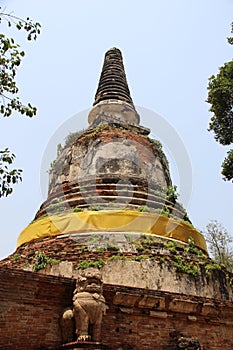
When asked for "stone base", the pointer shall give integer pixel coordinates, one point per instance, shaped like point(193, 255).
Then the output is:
point(83, 345)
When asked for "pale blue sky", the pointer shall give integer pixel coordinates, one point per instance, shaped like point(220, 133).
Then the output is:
point(170, 48)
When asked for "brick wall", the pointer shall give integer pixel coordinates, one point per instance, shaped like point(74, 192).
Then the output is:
point(30, 308)
point(143, 319)
point(137, 319)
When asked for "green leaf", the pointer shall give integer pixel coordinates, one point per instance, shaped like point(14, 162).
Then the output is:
point(227, 167)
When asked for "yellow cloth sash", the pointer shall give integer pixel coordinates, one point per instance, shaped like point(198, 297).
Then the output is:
point(110, 221)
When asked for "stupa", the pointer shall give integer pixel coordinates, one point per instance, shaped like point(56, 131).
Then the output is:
point(112, 225)
point(112, 177)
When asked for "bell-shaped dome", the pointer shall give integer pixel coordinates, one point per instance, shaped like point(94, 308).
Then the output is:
point(112, 176)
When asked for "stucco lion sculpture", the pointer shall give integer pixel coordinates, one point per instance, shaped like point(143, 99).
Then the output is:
point(88, 309)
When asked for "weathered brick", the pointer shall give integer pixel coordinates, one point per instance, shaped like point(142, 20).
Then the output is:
point(140, 319)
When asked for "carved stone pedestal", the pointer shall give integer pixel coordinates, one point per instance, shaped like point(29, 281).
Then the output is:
point(83, 346)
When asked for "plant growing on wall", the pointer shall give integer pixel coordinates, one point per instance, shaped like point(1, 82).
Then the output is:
point(41, 260)
point(172, 194)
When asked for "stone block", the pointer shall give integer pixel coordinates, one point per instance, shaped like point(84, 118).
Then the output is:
point(158, 314)
point(125, 299)
point(209, 310)
point(183, 306)
point(151, 302)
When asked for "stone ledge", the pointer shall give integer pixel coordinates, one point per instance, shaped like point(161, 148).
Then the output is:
point(162, 304)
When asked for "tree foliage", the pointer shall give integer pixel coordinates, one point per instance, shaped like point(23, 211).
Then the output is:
point(10, 60)
point(8, 177)
point(219, 244)
point(227, 166)
point(220, 97)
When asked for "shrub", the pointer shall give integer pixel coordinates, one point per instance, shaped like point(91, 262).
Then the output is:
point(90, 263)
point(41, 260)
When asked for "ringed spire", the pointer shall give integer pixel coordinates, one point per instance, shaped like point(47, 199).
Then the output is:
point(112, 99)
point(113, 83)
